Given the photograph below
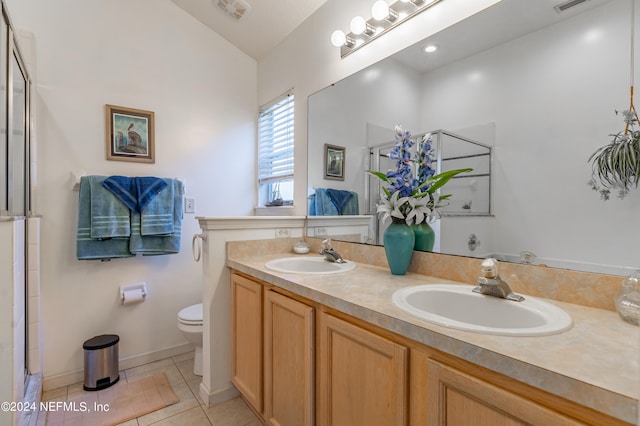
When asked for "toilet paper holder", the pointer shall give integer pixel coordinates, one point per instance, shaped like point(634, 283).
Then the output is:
point(134, 290)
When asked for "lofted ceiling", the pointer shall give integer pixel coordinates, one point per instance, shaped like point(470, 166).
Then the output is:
point(507, 20)
point(265, 24)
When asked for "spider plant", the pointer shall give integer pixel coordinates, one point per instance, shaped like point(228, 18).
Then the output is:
point(616, 166)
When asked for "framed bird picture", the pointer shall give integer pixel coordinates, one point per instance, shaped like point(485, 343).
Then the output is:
point(130, 134)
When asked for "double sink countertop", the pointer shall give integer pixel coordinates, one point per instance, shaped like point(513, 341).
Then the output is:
point(596, 363)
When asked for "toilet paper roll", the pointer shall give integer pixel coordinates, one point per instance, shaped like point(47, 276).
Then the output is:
point(130, 297)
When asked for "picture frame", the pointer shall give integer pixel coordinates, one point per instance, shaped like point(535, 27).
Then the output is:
point(334, 161)
point(130, 134)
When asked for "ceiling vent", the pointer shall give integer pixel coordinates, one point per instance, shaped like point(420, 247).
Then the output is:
point(237, 9)
point(567, 5)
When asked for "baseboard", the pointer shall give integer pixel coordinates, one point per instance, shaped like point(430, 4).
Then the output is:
point(77, 376)
point(212, 398)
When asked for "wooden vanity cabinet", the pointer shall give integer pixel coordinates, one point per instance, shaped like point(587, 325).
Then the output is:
point(365, 375)
point(273, 352)
point(362, 377)
point(288, 361)
point(459, 399)
point(246, 339)
point(458, 393)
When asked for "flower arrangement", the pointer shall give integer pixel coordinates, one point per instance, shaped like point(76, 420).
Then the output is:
point(411, 195)
point(616, 166)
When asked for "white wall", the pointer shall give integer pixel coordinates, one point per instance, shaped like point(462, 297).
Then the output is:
point(386, 95)
point(147, 54)
point(552, 96)
point(552, 108)
point(308, 62)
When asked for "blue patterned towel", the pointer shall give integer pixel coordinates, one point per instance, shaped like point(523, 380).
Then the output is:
point(135, 192)
point(339, 198)
point(148, 187)
point(124, 189)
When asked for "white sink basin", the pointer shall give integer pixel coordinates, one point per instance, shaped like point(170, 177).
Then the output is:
point(456, 306)
point(308, 265)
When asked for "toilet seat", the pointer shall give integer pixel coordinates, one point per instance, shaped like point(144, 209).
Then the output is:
point(191, 315)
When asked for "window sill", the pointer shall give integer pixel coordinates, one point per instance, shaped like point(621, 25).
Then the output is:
point(274, 211)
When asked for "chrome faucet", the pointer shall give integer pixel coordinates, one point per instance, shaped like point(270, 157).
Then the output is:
point(329, 253)
point(491, 284)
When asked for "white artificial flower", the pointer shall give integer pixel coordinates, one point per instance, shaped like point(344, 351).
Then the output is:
point(419, 210)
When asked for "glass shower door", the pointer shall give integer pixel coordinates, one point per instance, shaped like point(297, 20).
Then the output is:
point(4, 140)
point(18, 154)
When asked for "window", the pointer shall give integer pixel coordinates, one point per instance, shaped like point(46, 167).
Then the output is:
point(275, 152)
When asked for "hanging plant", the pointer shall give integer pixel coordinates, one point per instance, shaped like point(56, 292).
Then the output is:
point(616, 166)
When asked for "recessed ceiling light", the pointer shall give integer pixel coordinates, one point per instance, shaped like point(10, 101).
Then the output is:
point(431, 48)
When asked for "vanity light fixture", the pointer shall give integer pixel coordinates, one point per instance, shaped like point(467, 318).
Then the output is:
point(384, 17)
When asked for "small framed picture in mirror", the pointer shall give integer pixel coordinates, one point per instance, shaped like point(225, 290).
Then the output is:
point(334, 157)
point(130, 134)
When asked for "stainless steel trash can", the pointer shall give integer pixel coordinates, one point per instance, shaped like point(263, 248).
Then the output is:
point(101, 362)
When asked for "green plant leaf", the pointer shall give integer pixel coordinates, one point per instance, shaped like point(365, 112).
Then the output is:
point(441, 179)
point(379, 175)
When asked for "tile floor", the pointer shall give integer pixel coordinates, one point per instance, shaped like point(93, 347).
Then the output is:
point(189, 411)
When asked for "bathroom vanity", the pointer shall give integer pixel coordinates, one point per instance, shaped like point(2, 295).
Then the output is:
point(334, 349)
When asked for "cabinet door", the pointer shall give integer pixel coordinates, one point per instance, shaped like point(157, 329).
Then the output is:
point(458, 399)
point(288, 361)
point(246, 296)
point(362, 376)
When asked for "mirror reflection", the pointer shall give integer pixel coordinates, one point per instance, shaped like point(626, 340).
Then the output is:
point(540, 88)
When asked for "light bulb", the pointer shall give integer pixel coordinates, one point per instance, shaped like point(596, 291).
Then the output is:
point(380, 10)
point(431, 48)
point(358, 25)
point(338, 38)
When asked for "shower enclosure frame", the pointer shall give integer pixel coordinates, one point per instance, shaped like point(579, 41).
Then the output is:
point(373, 185)
point(15, 194)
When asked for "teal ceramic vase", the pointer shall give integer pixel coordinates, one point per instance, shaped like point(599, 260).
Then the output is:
point(398, 240)
point(425, 237)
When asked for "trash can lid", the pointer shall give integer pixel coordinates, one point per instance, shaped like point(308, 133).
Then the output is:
point(101, 342)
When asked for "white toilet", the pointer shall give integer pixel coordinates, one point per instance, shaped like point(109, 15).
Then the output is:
point(190, 324)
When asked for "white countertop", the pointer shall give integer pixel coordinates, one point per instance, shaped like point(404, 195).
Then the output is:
point(596, 363)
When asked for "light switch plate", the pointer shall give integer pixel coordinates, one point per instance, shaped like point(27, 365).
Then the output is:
point(189, 205)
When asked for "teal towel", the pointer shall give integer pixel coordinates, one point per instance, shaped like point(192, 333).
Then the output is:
point(151, 245)
point(341, 199)
point(88, 248)
point(321, 204)
point(333, 202)
point(109, 216)
point(157, 218)
point(351, 207)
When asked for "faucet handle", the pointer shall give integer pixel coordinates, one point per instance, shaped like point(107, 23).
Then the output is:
point(527, 257)
point(489, 268)
point(326, 244)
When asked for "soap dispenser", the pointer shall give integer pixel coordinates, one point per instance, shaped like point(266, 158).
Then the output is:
point(628, 299)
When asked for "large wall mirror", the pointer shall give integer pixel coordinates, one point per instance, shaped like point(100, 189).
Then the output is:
point(541, 88)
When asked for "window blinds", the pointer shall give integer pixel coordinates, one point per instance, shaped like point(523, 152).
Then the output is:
point(275, 141)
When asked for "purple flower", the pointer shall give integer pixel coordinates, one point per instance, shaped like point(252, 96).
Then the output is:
point(404, 197)
point(425, 159)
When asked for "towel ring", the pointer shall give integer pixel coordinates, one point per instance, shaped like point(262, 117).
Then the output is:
point(197, 241)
